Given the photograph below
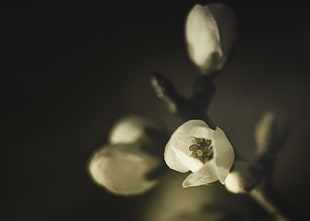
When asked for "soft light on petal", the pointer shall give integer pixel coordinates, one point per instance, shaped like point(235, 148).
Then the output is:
point(224, 155)
point(207, 174)
point(122, 169)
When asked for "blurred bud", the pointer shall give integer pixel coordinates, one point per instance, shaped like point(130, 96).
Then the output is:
point(242, 178)
point(131, 161)
point(130, 129)
point(123, 168)
point(270, 133)
point(210, 34)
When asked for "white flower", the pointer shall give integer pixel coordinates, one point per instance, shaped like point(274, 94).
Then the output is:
point(195, 147)
point(210, 33)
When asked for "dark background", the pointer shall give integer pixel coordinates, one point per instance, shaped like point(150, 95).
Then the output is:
point(70, 69)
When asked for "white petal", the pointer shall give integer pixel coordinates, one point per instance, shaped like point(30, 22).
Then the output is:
point(223, 154)
point(207, 174)
point(190, 127)
point(191, 163)
point(202, 37)
point(173, 161)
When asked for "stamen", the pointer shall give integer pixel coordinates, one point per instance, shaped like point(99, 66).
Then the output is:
point(193, 147)
point(199, 153)
point(201, 149)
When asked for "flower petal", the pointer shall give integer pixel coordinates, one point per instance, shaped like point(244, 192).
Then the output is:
point(223, 154)
point(190, 127)
point(173, 161)
point(207, 174)
point(191, 163)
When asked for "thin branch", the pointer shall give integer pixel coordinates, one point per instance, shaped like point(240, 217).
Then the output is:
point(193, 108)
point(266, 195)
point(166, 93)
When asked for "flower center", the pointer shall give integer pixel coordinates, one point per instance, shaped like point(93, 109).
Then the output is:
point(201, 149)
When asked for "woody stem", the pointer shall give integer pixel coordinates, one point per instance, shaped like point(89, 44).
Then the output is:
point(268, 198)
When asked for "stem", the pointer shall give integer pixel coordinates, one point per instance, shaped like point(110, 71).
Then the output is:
point(193, 108)
point(166, 93)
point(266, 196)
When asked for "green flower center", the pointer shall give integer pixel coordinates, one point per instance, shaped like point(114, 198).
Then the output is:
point(201, 149)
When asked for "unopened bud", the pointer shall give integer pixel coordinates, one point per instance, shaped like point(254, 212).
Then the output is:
point(123, 168)
point(242, 178)
point(270, 133)
point(130, 129)
point(210, 33)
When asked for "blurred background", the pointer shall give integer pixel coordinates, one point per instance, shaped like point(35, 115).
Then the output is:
point(72, 68)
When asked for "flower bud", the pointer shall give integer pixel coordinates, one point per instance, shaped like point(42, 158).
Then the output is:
point(123, 168)
point(130, 129)
point(242, 178)
point(270, 133)
point(210, 33)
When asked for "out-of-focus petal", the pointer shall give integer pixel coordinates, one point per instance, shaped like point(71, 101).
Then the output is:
point(122, 169)
point(223, 154)
point(207, 174)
